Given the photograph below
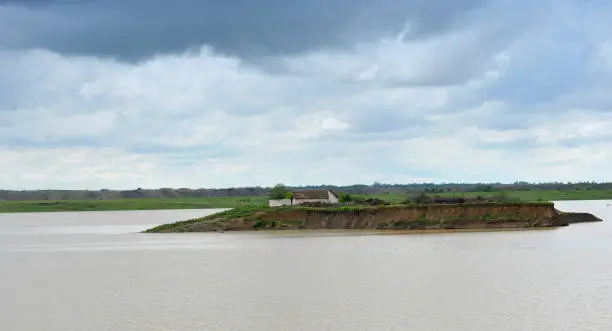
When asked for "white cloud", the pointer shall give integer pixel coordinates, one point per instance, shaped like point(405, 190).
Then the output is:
point(448, 59)
point(444, 108)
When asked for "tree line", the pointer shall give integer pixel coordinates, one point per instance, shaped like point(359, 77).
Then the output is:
point(357, 189)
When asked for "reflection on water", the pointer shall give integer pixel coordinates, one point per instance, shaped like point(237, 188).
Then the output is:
point(94, 271)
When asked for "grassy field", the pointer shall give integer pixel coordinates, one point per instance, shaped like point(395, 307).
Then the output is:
point(548, 195)
point(213, 202)
point(128, 204)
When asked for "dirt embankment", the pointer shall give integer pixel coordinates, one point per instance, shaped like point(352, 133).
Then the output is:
point(400, 217)
point(424, 217)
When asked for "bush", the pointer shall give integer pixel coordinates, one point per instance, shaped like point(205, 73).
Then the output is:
point(260, 224)
point(345, 197)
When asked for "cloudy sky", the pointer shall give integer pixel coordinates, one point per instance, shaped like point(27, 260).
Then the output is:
point(219, 93)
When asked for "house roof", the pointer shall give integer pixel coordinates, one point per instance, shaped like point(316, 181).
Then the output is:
point(310, 194)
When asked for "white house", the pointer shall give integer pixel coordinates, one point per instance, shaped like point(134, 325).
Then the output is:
point(307, 196)
point(313, 196)
point(279, 202)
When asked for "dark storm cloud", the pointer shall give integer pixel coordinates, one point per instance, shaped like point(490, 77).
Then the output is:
point(139, 28)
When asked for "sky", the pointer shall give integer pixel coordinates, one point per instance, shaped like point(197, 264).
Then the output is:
point(219, 93)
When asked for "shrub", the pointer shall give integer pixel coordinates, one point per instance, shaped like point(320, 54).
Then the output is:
point(260, 224)
point(345, 197)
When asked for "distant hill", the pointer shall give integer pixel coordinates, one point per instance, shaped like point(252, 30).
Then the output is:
point(376, 188)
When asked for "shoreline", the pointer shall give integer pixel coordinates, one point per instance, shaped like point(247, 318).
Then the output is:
point(294, 233)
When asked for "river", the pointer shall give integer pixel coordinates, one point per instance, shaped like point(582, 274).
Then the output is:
point(94, 271)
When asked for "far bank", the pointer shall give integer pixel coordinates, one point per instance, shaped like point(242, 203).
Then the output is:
point(242, 201)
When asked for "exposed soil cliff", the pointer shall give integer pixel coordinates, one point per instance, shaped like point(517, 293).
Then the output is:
point(396, 217)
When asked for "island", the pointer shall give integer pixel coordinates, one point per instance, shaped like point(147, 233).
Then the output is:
point(430, 214)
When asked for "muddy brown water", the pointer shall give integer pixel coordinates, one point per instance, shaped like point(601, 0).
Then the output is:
point(94, 271)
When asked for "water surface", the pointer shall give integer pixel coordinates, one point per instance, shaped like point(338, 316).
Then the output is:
point(94, 271)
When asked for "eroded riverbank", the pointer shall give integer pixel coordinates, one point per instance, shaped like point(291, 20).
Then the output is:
point(472, 216)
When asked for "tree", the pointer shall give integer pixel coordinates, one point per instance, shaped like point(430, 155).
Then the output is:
point(279, 191)
point(345, 197)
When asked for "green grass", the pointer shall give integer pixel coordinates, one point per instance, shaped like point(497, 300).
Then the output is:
point(128, 204)
point(396, 205)
point(548, 195)
point(238, 212)
point(233, 202)
point(541, 195)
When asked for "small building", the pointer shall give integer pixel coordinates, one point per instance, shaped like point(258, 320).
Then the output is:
point(279, 202)
point(314, 196)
